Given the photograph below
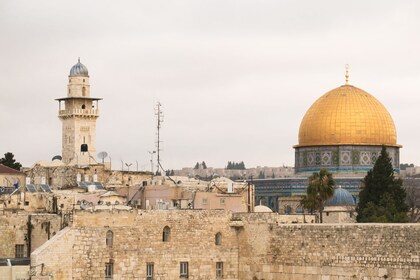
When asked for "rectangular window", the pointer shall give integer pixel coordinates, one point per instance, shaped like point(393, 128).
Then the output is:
point(183, 270)
point(19, 251)
point(205, 200)
point(150, 268)
point(109, 270)
point(222, 201)
point(219, 269)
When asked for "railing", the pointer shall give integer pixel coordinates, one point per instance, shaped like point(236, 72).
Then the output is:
point(79, 112)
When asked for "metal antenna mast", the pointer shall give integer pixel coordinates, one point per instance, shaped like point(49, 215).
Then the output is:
point(159, 115)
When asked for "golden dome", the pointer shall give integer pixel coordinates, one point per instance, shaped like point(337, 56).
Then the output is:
point(347, 115)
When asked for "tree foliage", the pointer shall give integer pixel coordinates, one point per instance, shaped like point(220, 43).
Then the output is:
point(320, 189)
point(9, 160)
point(261, 175)
point(403, 166)
point(382, 198)
point(236, 165)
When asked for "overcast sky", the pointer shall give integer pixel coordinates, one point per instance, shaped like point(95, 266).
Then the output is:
point(234, 78)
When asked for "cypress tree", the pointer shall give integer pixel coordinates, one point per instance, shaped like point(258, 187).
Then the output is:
point(382, 198)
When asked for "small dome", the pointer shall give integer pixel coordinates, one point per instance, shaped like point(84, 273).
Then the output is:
point(262, 209)
point(341, 197)
point(79, 70)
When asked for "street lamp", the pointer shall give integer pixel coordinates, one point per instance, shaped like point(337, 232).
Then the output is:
point(128, 166)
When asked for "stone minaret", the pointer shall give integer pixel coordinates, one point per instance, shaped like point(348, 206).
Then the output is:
point(78, 113)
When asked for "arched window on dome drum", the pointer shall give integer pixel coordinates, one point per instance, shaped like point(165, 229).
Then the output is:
point(109, 238)
point(83, 106)
point(218, 239)
point(83, 91)
point(166, 234)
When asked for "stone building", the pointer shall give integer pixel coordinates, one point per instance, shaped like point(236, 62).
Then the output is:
point(10, 179)
point(218, 244)
point(340, 208)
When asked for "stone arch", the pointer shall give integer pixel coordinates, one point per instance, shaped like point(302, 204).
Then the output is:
point(109, 238)
point(218, 239)
point(166, 234)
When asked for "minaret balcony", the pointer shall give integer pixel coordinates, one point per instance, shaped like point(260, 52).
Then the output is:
point(79, 112)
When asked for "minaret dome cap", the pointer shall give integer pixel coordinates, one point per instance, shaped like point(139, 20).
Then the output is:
point(79, 70)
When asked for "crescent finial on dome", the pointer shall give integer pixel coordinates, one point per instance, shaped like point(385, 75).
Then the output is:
point(347, 74)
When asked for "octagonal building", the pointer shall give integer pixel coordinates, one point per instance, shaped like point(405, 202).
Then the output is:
point(343, 132)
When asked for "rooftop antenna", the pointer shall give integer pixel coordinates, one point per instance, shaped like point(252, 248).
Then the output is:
point(159, 115)
point(347, 74)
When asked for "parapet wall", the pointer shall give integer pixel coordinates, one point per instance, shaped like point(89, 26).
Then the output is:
point(326, 251)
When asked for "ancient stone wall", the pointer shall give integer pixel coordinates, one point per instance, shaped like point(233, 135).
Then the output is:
point(138, 240)
point(14, 231)
point(269, 250)
point(253, 246)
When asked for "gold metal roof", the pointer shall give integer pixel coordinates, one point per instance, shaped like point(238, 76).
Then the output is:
point(347, 115)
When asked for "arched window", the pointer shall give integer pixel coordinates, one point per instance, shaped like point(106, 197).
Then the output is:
point(218, 239)
point(109, 238)
point(83, 91)
point(166, 234)
point(83, 106)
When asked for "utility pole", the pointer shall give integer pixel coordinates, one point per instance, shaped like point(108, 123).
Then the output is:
point(159, 116)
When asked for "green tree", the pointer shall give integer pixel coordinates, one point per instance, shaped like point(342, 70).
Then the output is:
point(320, 189)
point(9, 160)
point(197, 165)
point(203, 165)
point(261, 175)
point(403, 166)
point(382, 198)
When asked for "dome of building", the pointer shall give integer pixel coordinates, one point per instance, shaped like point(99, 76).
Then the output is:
point(347, 115)
point(262, 209)
point(341, 197)
point(79, 70)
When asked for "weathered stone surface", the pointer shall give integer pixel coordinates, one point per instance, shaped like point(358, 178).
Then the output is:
point(260, 248)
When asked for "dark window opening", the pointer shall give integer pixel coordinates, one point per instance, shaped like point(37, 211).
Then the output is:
point(218, 239)
point(109, 238)
point(150, 271)
point(19, 251)
point(183, 270)
point(84, 148)
point(166, 236)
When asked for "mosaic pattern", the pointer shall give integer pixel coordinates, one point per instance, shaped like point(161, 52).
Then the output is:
point(355, 157)
point(311, 159)
point(364, 158)
point(335, 157)
point(341, 158)
point(345, 158)
point(374, 157)
point(326, 158)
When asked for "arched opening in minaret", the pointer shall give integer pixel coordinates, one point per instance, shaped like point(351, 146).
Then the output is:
point(84, 91)
point(83, 106)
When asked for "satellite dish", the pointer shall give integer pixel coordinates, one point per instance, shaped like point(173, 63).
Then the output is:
point(57, 157)
point(102, 155)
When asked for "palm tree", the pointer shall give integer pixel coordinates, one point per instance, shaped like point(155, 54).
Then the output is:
point(320, 189)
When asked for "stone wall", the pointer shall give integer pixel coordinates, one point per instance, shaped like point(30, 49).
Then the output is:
point(254, 246)
point(137, 240)
point(14, 231)
point(326, 251)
